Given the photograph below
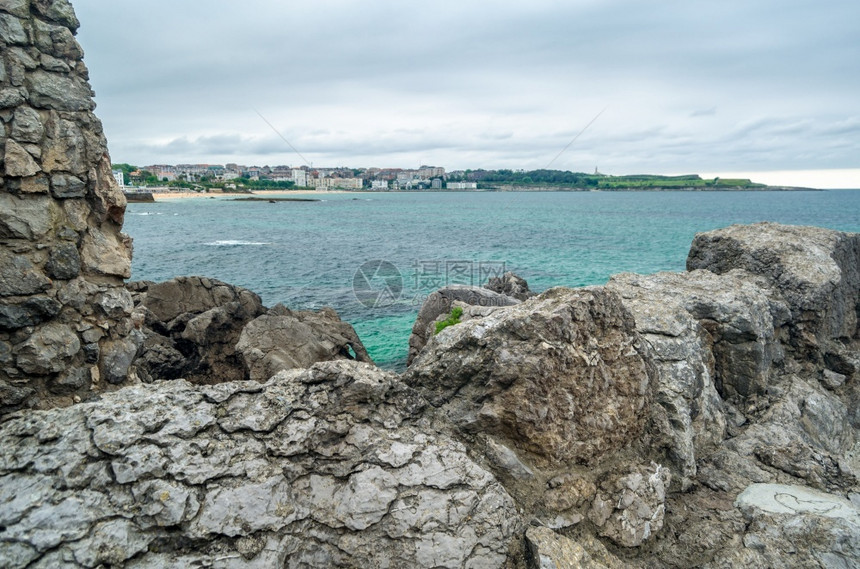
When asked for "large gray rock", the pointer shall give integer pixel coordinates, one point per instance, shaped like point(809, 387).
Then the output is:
point(740, 319)
point(284, 339)
point(554, 393)
point(327, 467)
point(192, 325)
point(511, 285)
point(710, 336)
point(816, 271)
point(562, 377)
point(440, 302)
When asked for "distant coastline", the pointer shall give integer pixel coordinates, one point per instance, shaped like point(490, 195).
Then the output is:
point(159, 194)
point(234, 178)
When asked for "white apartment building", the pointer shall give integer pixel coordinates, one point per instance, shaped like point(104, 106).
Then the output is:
point(346, 183)
point(300, 177)
point(462, 185)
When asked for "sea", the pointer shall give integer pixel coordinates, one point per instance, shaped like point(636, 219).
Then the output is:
point(374, 257)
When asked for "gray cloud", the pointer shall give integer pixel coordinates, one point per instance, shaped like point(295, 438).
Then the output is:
point(687, 85)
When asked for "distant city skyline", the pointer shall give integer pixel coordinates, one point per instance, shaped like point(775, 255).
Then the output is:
point(761, 90)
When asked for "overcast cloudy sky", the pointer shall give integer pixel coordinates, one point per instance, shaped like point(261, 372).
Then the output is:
point(711, 87)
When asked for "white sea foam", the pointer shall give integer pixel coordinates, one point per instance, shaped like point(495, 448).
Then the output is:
point(233, 243)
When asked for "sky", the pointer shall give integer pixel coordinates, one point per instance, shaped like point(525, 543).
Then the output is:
point(767, 89)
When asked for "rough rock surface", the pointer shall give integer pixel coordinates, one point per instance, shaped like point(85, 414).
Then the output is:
point(547, 549)
point(511, 285)
point(629, 509)
point(660, 421)
point(709, 335)
point(554, 393)
point(191, 326)
point(439, 304)
point(816, 271)
point(207, 331)
point(755, 382)
point(705, 419)
point(326, 467)
point(560, 377)
point(285, 339)
point(62, 252)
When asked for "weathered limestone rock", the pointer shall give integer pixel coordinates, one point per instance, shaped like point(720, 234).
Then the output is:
point(54, 226)
point(207, 331)
point(628, 510)
point(549, 550)
point(283, 339)
point(192, 326)
point(327, 467)
point(440, 303)
point(511, 285)
point(742, 322)
point(561, 377)
point(709, 335)
point(780, 517)
point(816, 271)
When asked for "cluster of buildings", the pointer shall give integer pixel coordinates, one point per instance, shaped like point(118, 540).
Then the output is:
point(423, 178)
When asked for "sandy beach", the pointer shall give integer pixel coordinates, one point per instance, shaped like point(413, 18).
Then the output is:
point(161, 196)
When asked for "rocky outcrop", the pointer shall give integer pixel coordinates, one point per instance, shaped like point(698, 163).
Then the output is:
point(325, 467)
point(817, 273)
point(207, 331)
point(555, 393)
point(439, 304)
point(754, 381)
point(285, 339)
point(191, 326)
point(712, 339)
point(65, 329)
point(673, 420)
point(511, 285)
point(703, 419)
point(561, 377)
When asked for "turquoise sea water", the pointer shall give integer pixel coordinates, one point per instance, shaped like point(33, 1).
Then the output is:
point(313, 254)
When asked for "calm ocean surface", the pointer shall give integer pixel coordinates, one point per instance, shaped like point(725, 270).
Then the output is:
point(313, 254)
